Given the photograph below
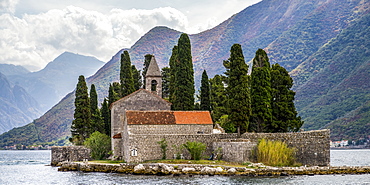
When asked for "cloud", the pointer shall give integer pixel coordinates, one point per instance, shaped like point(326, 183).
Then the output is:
point(35, 40)
point(8, 6)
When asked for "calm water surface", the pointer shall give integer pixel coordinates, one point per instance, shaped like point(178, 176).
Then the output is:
point(31, 167)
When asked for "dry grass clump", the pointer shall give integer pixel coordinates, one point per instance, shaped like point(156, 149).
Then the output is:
point(275, 153)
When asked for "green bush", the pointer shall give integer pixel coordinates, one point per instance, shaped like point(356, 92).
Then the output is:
point(275, 153)
point(99, 145)
point(195, 149)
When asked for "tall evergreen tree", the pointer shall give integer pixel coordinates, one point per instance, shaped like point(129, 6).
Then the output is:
point(238, 93)
point(218, 97)
point(184, 76)
point(173, 66)
point(285, 117)
point(205, 102)
point(105, 113)
point(126, 77)
point(147, 59)
point(114, 92)
point(166, 75)
point(137, 78)
point(96, 119)
point(261, 117)
point(80, 127)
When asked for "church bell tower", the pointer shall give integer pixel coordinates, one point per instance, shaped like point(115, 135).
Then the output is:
point(153, 78)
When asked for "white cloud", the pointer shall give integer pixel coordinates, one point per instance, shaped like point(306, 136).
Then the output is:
point(34, 40)
point(8, 6)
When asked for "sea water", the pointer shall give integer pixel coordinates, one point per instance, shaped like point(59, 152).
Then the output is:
point(32, 167)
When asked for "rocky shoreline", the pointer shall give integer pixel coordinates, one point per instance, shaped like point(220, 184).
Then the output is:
point(198, 169)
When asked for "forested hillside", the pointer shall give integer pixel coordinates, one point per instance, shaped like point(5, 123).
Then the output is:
point(325, 45)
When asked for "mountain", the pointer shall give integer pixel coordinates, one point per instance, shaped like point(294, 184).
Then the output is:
point(324, 43)
point(10, 69)
point(58, 78)
point(17, 107)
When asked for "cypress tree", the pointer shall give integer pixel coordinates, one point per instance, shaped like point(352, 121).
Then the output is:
point(173, 66)
point(114, 92)
point(137, 78)
point(96, 119)
point(285, 117)
point(204, 93)
point(126, 77)
point(166, 75)
point(238, 93)
point(93, 99)
point(105, 113)
point(217, 97)
point(184, 76)
point(80, 127)
point(261, 117)
point(148, 58)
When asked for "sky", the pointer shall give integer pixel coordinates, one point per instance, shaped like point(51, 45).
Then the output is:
point(34, 32)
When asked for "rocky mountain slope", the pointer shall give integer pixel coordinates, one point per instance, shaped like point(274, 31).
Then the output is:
point(324, 43)
point(17, 107)
point(59, 77)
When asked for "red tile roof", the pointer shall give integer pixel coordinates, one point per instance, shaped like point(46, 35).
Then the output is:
point(168, 117)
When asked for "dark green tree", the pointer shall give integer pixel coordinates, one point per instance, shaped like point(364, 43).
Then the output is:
point(148, 58)
point(205, 102)
point(238, 89)
point(166, 75)
point(285, 117)
point(114, 92)
point(173, 66)
point(96, 119)
point(218, 97)
point(105, 114)
point(137, 78)
point(261, 117)
point(81, 125)
point(184, 76)
point(126, 76)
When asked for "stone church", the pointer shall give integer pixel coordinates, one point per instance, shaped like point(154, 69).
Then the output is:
point(142, 119)
point(145, 113)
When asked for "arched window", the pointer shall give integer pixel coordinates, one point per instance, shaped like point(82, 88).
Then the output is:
point(154, 85)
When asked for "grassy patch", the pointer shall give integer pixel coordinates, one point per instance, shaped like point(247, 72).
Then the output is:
point(204, 162)
point(107, 161)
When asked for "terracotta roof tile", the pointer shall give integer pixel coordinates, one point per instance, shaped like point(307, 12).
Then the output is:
point(168, 117)
point(193, 117)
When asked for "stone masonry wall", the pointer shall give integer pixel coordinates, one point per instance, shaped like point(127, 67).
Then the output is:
point(313, 147)
point(171, 129)
point(148, 148)
point(68, 153)
point(235, 150)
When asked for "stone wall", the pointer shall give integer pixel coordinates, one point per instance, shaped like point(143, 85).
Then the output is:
point(313, 147)
point(235, 150)
point(148, 148)
point(171, 129)
point(68, 153)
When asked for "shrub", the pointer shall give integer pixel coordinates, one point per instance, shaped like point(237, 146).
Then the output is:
point(163, 145)
point(275, 153)
point(99, 145)
point(195, 149)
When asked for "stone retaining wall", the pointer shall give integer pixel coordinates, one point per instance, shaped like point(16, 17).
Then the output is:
point(313, 147)
point(68, 153)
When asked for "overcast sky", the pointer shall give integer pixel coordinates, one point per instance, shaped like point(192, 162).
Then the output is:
point(34, 32)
